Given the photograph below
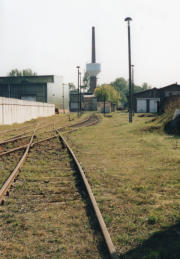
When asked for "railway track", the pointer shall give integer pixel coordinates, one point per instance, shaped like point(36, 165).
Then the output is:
point(53, 184)
point(20, 142)
point(9, 162)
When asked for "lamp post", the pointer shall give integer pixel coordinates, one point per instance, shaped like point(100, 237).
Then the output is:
point(80, 104)
point(63, 99)
point(128, 19)
point(78, 67)
point(132, 66)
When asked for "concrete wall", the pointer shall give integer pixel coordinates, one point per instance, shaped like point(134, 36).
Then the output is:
point(18, 111)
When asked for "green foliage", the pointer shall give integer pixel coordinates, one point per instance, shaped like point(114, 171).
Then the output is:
point(24, 72)
point(107, 93)
point(122, 86)
point(85, 81)
point(145, 86)
point(71, 86)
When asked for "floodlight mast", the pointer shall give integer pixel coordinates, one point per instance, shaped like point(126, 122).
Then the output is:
point(128, 19)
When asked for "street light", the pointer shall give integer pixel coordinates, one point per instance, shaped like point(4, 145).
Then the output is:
point(80, 104)
point(78, 67)
point(63, 99)
point(132, 66)
point(128, 19)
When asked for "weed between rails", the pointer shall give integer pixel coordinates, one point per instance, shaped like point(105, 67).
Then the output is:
point(47, 214)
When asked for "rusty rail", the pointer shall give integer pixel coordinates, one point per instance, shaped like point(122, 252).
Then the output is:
point(13, 175)
point(25, 145)
point(49, 138)
point(106, 235)
point(22, 136)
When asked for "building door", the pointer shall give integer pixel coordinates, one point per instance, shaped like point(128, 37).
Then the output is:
point(153, 106)
point(141, 106)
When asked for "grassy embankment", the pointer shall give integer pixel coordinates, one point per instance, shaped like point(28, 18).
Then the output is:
point(134, 171)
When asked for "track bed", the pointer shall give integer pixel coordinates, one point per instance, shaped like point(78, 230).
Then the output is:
point(47, 214)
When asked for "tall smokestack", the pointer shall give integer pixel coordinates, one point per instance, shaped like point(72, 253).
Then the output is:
point(93, 46)
point(93, 68)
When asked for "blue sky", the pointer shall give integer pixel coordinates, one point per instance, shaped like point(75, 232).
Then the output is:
point(54, 36)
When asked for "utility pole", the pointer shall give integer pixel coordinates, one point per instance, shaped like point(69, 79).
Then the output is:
point(78, 67)
point(132, 89)
point(80, 92)
point(63, 98)
point(128, 19)
point(104, 104)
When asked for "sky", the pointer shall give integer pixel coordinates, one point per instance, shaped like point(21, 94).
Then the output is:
point(54, 36)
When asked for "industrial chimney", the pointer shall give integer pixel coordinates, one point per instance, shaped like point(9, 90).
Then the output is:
point(93, 68)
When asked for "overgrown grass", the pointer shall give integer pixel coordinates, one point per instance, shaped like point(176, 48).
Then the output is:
point(47, 215)
point(134, 173)
point(9, 131)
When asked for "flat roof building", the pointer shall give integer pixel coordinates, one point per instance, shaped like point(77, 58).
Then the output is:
point(45, 88)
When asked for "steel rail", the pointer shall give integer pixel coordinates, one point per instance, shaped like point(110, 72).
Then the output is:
point(49, 138)
point(80, 122)
point(14, 139)
point(13, 175)
point(106, 235)
point(22, 136)
point(13, 150)
point(24, 146)
point(10, 130)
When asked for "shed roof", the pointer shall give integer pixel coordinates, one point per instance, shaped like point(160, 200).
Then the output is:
point(172, 87)
point(148, 90)
point(26, 79)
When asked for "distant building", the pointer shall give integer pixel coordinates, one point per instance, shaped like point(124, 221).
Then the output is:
point(88, 101)
point(47, 88)
point(74, 100)
point(152, 100)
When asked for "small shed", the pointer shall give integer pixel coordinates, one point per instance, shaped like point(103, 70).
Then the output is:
point(89, 102)
point(151, 100)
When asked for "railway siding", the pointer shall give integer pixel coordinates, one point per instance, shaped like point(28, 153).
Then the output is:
point(134, 174)
point(47, 215)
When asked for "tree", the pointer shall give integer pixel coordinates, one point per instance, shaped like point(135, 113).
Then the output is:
point(122, 86)
point(24, 72)
point(145, 86)
point(107, 93)
point(71, 86)
point(85, 85)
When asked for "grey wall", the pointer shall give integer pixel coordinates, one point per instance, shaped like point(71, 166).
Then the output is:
point(18, 111)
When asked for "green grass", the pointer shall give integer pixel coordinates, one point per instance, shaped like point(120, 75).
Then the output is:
point(134, 172)
point(46, 215)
